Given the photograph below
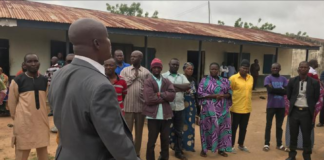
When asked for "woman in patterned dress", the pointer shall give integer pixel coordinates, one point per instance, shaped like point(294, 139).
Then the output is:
point(190, 99)
point(215, 93)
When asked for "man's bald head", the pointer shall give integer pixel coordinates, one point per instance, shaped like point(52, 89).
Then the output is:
point(90, 39)
point(136, 57)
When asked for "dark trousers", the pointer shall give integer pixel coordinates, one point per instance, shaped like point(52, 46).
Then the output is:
point(280, 115)
point(255, 80)
point(239, 120)
point(302, 119)
point(177, 121)
point(321, 116)
point(156, 127)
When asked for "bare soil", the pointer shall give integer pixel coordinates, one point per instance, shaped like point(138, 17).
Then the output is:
point(254, 140)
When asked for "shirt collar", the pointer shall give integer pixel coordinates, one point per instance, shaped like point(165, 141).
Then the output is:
point(156, 78)
point(247, 76)
point(169, 73)
point(132, 67)
point(95, 64)
point(312, 70)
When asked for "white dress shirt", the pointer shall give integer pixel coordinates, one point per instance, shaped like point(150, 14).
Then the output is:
point(95, 64)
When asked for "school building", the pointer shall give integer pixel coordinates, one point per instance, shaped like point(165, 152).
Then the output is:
point(32, 27)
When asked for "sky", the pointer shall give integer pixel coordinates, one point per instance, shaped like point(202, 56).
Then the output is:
point(288, 16)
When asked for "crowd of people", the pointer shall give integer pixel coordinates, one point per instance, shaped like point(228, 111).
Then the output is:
point(97, 100)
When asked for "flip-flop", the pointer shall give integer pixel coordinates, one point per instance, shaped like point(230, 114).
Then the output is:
point(223, 154)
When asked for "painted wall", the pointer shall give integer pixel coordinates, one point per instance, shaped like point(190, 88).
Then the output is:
point(300, 55)
point(27, 40)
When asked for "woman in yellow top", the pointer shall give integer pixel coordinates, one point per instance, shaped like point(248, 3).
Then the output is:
point(241, 84)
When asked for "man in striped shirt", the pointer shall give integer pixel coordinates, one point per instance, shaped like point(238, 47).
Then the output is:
point(134, 100)
point(49, 74)
point(117, 81)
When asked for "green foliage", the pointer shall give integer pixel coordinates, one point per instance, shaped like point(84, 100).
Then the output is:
point(299, 34)
point(133, 10)
point(266, 26)
point(221, 22)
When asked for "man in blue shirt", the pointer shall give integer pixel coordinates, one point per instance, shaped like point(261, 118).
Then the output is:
point(119, 57)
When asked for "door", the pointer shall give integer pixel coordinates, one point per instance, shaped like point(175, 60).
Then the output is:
point(4, 56)
point(193, 57)
point(268, 59)
point(233, 58)
point(60, 47)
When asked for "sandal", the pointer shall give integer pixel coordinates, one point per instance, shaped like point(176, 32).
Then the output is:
point(222, 153)
point(282, 148)
point(203, 154)
point(266, 148)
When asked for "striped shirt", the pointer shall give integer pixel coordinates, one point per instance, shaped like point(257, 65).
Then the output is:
point(121, 89)
point(50, 71)
point(134, 100)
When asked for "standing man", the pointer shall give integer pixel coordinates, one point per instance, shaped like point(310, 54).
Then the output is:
point(313, 64)
point(255, 68)
point(224, 70)
point(231, 70)
point(27, 105)
point(303, 93)
point(158, 93)
point(119, 57)
point(276, 86)
point(86, 112)
point(117, 81)
point(134, 100)
point(241, 84)
point(181, 85)
point(60, 60)
point(49, 74)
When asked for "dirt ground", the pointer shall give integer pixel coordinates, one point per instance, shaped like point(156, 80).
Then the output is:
point(254, 141)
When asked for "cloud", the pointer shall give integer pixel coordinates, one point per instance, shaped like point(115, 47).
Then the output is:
point(288, 16)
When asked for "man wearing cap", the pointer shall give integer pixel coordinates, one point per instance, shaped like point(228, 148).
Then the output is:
point(158, 93)
point(241, 84)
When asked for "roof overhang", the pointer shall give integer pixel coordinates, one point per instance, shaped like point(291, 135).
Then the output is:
point(65, 26)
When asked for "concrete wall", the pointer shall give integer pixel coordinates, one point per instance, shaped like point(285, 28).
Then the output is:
point(300, 55)
point(177, 48)
point(27, 40)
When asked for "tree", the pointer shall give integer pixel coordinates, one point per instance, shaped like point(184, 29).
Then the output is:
point(299, 34)
point(221, 22)
point(266, 26)
point(133, 10)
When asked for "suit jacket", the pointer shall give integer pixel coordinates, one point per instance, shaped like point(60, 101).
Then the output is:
point(152, 100)
point(312, 93)
point(87, 115)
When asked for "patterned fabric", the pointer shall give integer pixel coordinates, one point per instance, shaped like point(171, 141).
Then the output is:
point(50, 71)
point(134, 100)
point(188, 138)
point(121, 89)
point(215, 122)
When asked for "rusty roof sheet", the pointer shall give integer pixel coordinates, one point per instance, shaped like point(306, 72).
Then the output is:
point(34, 11)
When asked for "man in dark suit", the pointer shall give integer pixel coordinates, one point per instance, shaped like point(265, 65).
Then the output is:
point(86, 110)
point(303, 93)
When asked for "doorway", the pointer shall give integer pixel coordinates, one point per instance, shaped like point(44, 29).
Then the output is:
point(59, 47)
point(233, 58)
point(4, 56)
point(193, 57)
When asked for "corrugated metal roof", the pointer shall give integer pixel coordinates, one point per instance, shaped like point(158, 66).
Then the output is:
point(34, 11)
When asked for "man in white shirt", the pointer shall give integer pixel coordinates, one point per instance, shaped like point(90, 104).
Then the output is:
point(181, 84)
